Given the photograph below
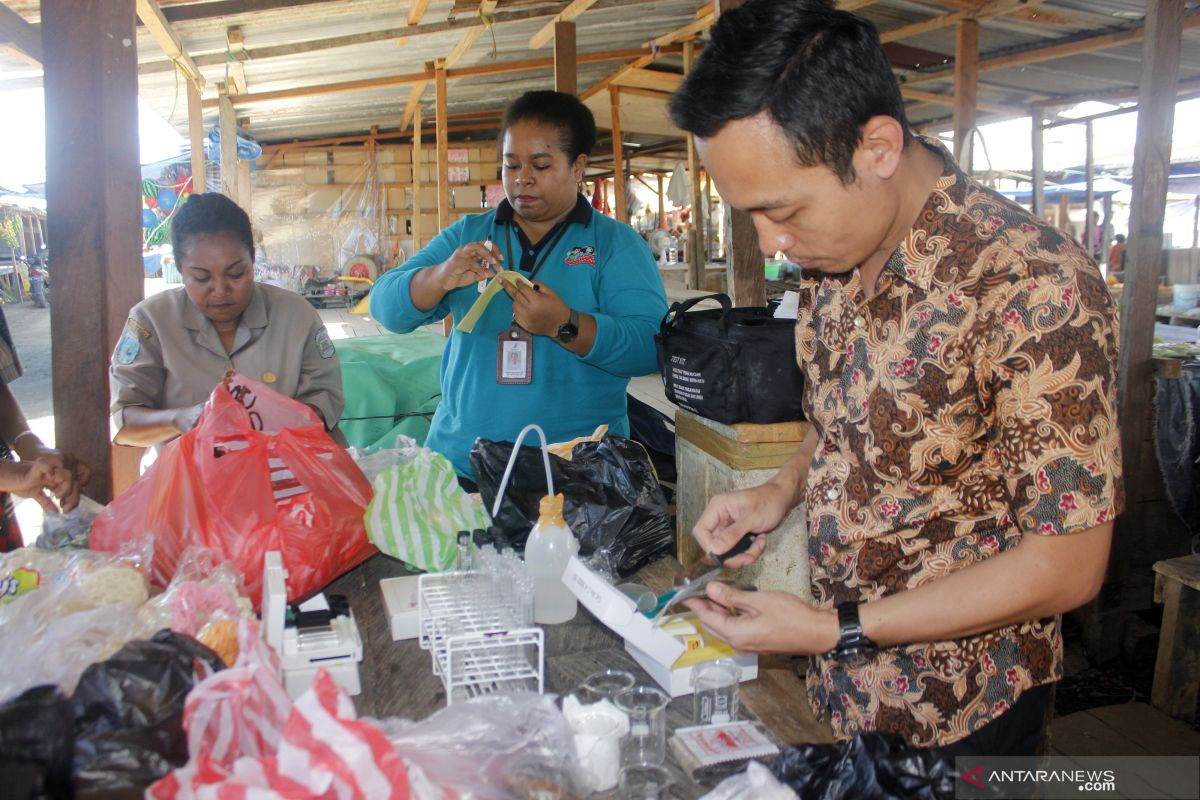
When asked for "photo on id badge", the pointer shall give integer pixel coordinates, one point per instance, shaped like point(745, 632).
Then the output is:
point(514, 357)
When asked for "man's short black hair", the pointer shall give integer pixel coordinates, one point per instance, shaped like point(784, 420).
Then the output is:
point(574, 120)
point(209, 213)
point(819, 73)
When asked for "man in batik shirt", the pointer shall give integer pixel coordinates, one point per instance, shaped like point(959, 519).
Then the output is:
point(962, 469)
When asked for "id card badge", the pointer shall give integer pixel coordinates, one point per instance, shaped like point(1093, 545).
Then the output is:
point(514, 355)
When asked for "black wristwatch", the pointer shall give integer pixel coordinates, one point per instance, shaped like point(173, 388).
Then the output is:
point(569, 329)
point(852, 644)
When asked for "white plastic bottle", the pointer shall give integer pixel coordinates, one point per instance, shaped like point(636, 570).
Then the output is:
point(551, 545)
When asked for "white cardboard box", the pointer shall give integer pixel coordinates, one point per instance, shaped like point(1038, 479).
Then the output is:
point(653, 648)
point(400, 600)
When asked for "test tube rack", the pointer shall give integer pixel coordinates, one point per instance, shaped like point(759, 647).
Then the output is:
point(473, 644)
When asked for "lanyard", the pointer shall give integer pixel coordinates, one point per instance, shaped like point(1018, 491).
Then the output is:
point(540, 261)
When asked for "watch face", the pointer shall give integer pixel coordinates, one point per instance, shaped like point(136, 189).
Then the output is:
point(567, 333)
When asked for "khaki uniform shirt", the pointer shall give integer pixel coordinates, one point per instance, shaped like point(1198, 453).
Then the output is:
point(170, 356)
point(968, 404)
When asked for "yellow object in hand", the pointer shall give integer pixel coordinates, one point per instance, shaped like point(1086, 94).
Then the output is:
point(467, 325)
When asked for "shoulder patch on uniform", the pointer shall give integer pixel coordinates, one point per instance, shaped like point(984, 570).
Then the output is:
point(324, 343)
point(128, 348)
point(581, 255)
point(138, 328)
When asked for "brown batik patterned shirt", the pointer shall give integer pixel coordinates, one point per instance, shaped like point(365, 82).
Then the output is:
point(969, 403)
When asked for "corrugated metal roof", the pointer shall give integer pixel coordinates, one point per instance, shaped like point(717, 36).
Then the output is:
point(313, 27)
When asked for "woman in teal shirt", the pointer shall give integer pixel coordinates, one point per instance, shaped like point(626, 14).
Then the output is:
point(561, 351)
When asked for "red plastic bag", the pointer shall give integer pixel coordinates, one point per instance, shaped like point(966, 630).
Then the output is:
point(257, 473)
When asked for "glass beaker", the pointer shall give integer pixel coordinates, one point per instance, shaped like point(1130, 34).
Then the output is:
point(645, 782)
point(604, 685)
point(715, 691)
point(646, 742)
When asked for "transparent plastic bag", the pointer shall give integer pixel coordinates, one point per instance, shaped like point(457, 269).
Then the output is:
point(69, 609)
point(756, 783)
point(205, 588)
point(494, 746)
point(71, 529)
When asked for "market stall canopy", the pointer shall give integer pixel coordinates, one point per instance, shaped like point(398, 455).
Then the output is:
point(304, 69)
point(1076, 190)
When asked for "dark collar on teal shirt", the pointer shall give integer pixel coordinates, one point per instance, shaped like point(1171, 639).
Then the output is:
point(581, 213)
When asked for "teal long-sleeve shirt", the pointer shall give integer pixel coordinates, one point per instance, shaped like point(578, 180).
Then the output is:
point(602, 268)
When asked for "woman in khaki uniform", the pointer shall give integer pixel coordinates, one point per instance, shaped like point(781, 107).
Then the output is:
point(178, 344)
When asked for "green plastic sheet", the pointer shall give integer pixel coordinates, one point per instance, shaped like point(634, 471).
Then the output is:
point(392, 386)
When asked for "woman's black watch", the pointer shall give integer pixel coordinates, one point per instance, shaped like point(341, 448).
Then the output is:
point(569, 329)
point(852, 644)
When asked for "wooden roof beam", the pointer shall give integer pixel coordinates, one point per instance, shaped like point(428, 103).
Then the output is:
point(427, 74)
point(666, 40)
point(162, 33)
point(1054, 51)
point(414, 102)
point(236, 42)
point(546, 32)
point(367, 37)
point(25, 36)
point(486, 7)
point(979, 11)
point(948, 100)
point(416, 11)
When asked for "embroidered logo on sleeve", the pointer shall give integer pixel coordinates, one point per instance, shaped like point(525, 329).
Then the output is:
point(138, 328)
point(324, 343)
point(128, 348)
point(581, 255)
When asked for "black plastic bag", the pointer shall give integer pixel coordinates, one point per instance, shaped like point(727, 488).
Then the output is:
point(871, 766)
point(612, 499)
point(36, 741)
point(128, 714)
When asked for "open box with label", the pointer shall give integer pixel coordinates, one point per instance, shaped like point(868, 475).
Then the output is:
point(670, 651)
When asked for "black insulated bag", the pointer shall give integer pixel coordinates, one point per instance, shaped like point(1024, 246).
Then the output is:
point(730, 364)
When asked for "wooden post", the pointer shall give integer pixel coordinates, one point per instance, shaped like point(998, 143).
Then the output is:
point(94, 226)
point(1089, 170)
point(564, 58)
point(966, 75)
point(417, 159)
point(443, 159)
point(662, 205)
point(695, 243)
point(443, 147)
point(1038, 198)
point(1151, 168)
point(1106, 242)
point(619, 205)
point(196, 137)
point(227, 124)
point(1064, 214)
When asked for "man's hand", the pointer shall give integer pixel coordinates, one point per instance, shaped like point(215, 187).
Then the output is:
point(537, 309)
point(765, 622)
point(731, 515)
point(471, 263)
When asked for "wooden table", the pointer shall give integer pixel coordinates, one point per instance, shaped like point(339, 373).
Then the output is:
point(397, 679)
point(1177, 667)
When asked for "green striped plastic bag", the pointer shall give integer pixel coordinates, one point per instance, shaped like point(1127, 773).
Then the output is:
point(418, 509)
